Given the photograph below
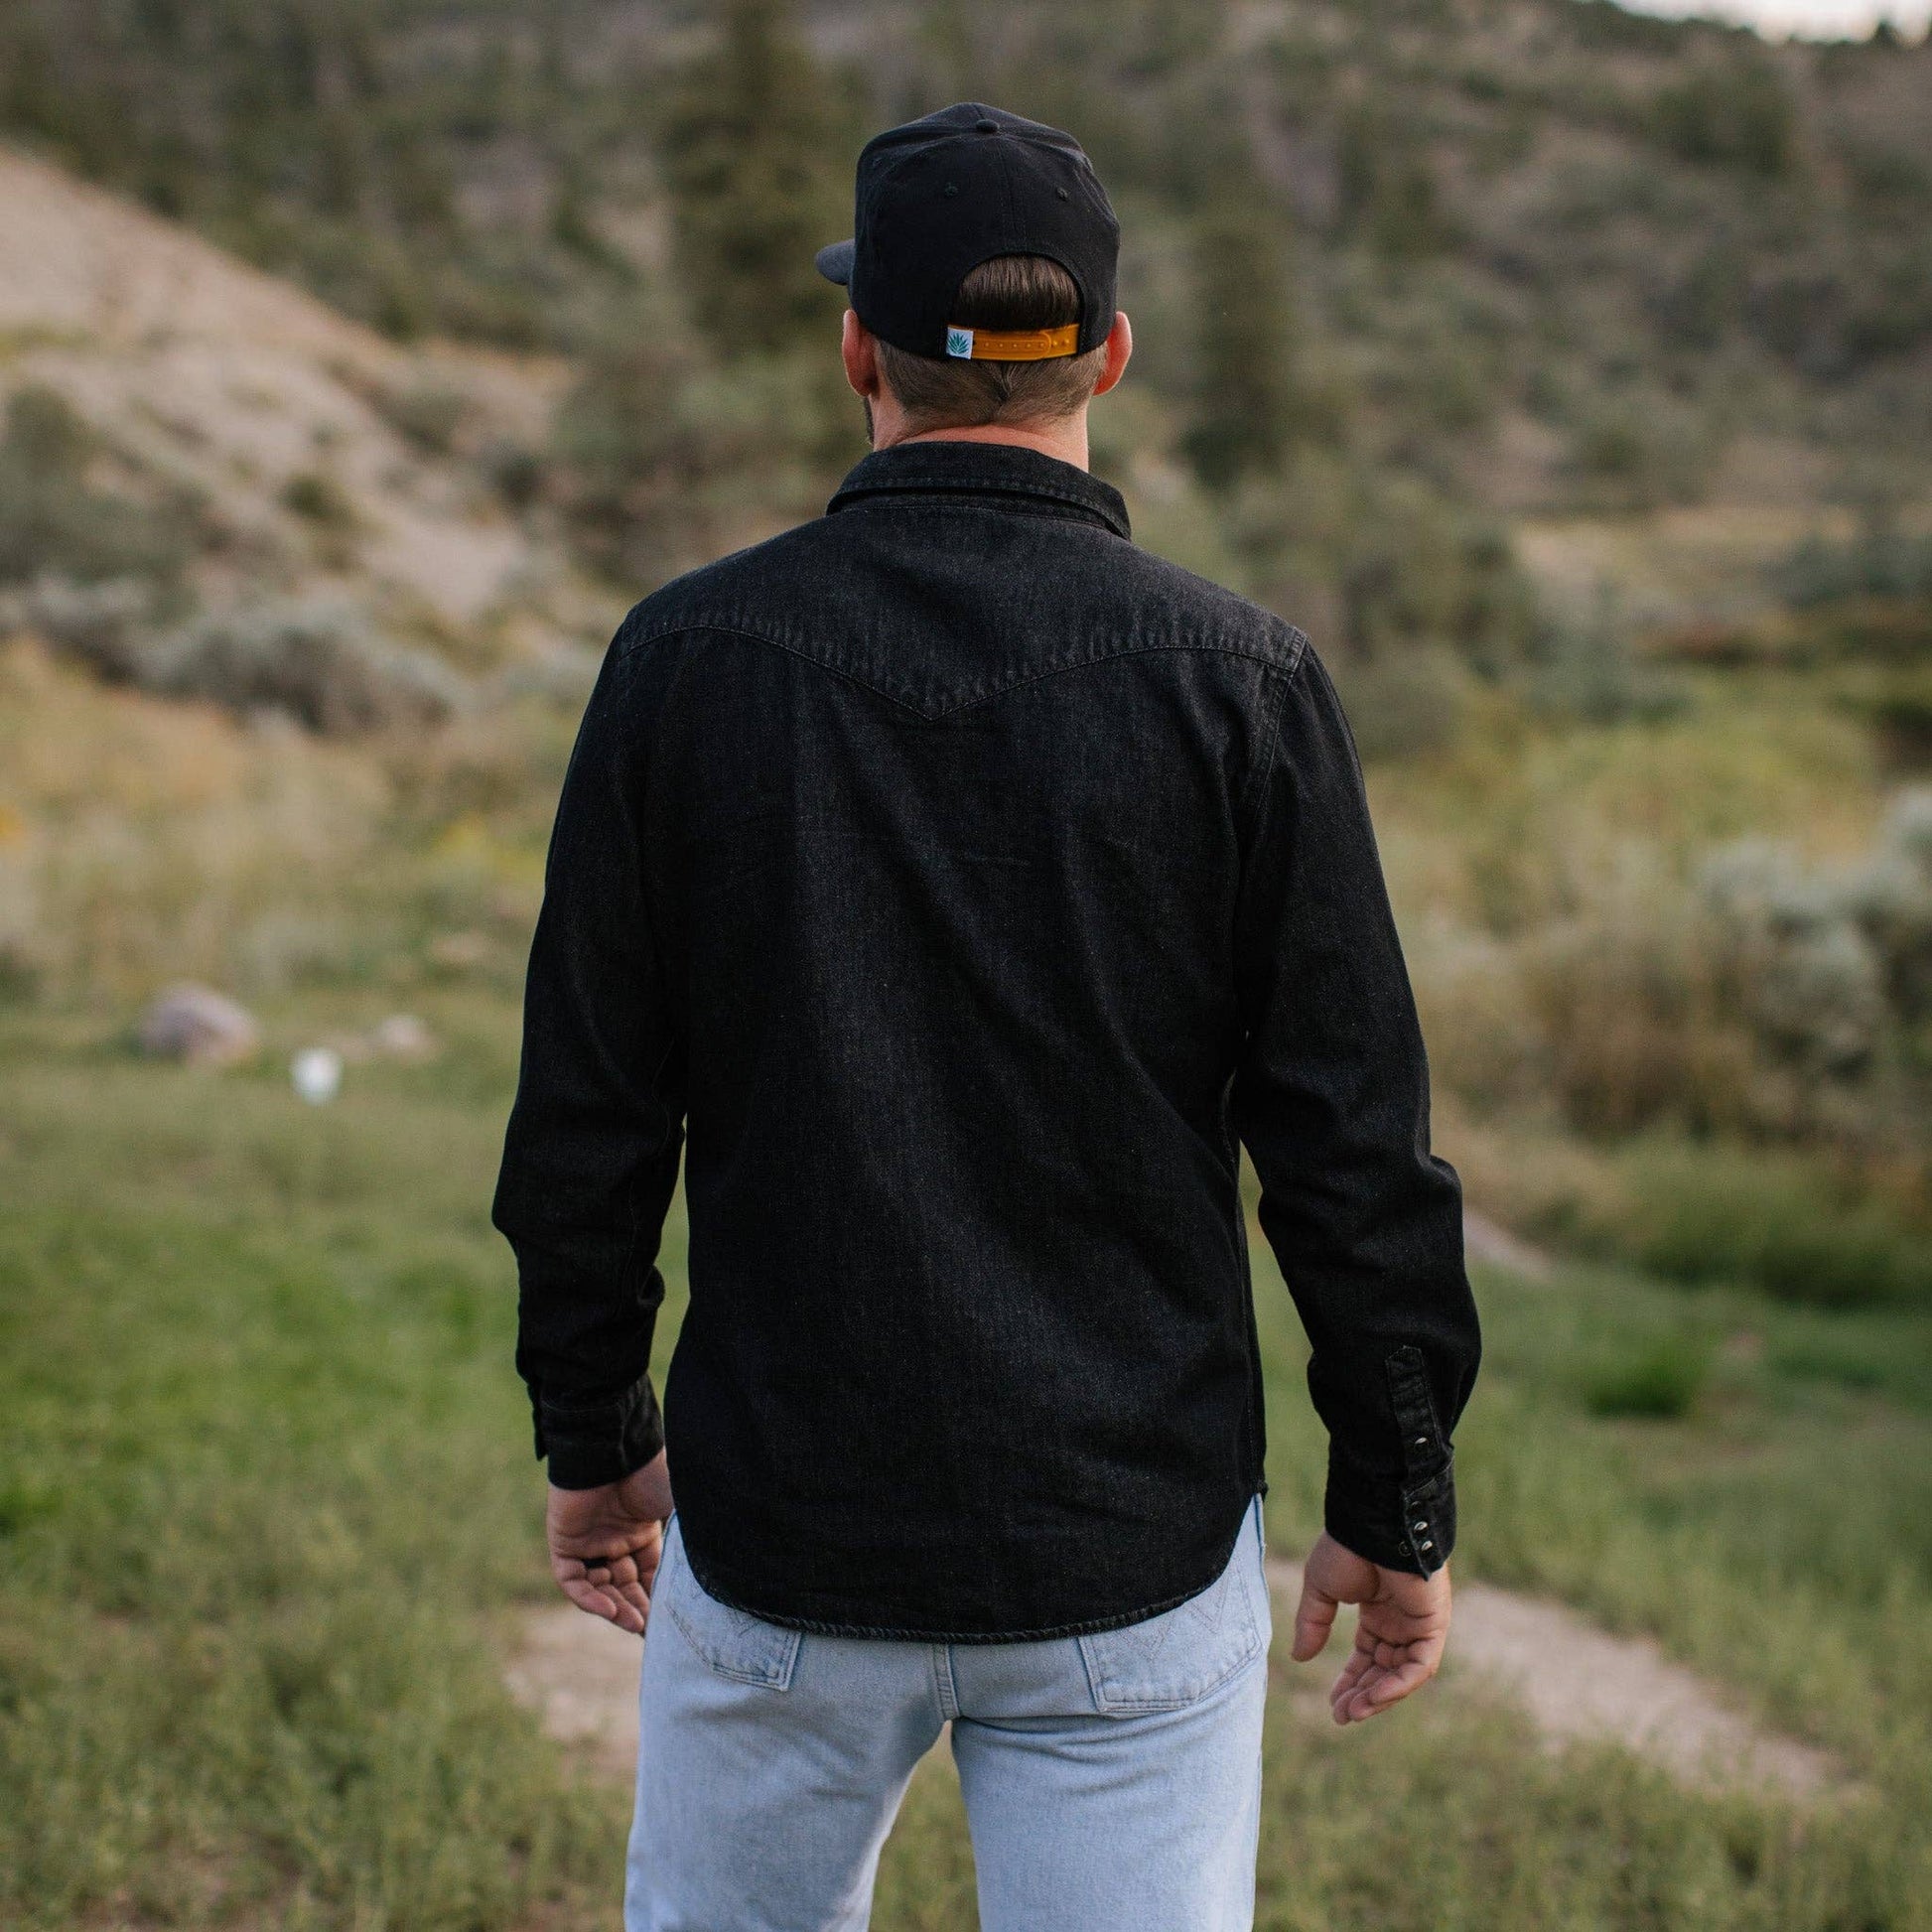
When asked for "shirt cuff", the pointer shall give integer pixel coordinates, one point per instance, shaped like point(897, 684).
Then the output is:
point(1400, 1523)
point(593, 1440)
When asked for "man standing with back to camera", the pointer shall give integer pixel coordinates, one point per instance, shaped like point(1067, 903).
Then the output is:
point(958, 886)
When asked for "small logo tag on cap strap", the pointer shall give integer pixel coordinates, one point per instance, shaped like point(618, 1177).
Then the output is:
point(1012, 344)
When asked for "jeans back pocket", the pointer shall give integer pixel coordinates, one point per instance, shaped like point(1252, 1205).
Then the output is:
point(733, 1643)
point(1168, 1661)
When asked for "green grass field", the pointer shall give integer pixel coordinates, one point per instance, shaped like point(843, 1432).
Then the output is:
point(268, 1512)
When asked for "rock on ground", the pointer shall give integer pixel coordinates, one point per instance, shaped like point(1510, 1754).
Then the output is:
point(198, 1024)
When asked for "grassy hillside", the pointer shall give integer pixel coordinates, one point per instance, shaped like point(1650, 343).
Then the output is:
point(268, 1511)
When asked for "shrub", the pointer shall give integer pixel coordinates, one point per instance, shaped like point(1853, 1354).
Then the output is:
point(1735, 115)
point(1659, 1379)
point(1714, 1214)
point(1404, 703)
point(1386, 181)
point(429, 414)
point(662, 460)
point(319, 662)
point(515, 472)
point(1415, 570)
point(1892, 899)
point(1795, 958)
point(54, 521)
point(1587, 668)
point(104, 626)
point(1761, 997)
point(1884, 562)
point(1639, 450)
point(318, 498)
point(1632, 1032)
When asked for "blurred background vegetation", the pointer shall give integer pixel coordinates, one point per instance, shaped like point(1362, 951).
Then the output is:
point(1566, 373)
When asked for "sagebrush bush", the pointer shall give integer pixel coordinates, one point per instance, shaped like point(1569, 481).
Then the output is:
point(105, 626)
point(320, 663)
point(1794, 959)
point(1761, 995)
point(1892, 901)
point(55, 519)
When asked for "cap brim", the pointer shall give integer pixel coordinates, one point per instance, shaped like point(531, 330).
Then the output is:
point(835, 262)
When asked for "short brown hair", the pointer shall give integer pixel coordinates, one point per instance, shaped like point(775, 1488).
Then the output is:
point(1006, 292)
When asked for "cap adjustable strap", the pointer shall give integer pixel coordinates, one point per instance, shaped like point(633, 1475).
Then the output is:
point(1012, 344)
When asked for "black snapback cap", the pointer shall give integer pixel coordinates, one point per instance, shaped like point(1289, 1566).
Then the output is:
point(937, 196)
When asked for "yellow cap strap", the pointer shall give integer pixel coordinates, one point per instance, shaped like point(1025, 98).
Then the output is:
point(1012, 344)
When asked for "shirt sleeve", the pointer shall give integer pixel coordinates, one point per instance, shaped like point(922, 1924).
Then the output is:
point(591, 1155)
point(1332, 1100)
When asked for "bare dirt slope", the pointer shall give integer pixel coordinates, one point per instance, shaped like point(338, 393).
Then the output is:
point(284, 418)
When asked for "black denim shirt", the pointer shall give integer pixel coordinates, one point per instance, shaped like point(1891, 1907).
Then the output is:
point(952, 883)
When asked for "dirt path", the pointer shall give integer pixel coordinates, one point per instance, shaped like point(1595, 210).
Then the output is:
point(1579, 1683)
point(1490, 1241)
point(1575, 1682)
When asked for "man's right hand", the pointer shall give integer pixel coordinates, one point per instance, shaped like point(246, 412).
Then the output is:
point(604, 1544)
point(1399, 1635)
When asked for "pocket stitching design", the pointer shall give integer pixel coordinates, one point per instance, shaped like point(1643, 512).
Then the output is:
point(776, 1676)
point(1092, 1654)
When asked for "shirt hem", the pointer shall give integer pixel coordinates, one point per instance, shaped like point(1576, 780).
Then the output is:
point(910, 1633)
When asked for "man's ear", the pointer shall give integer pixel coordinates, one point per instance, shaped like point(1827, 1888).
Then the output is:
point(1120, 350)
point(859, 348)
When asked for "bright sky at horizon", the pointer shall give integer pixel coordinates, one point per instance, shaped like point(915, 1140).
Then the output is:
point(1810, 18)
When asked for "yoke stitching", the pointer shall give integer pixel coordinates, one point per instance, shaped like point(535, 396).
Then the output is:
point(964, 704)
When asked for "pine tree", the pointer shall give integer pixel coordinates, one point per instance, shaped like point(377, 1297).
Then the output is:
point(1244, 415)
point(757, 153)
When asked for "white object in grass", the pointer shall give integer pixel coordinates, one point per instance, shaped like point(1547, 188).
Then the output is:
point(317, 1072)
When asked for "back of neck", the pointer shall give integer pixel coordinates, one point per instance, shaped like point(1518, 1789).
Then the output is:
point(1065, 441)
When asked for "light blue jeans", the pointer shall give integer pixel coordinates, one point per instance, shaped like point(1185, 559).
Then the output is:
point(1112, 1782)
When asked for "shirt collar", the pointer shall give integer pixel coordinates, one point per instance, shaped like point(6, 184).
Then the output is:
point(984, 470)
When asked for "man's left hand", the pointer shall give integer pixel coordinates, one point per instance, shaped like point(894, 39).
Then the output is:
point(604, 1544)
point(1400, 1631)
